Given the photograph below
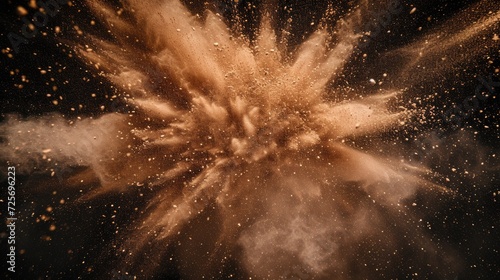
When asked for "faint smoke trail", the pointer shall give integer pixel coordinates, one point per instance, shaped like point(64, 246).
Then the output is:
point(241, 132)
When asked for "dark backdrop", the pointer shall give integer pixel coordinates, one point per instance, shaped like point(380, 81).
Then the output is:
point(83, 230)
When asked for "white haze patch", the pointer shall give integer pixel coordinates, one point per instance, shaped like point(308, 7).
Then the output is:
point(39, 143)
point(237, 125)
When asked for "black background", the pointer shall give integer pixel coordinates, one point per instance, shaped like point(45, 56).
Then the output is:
point(469, 223)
